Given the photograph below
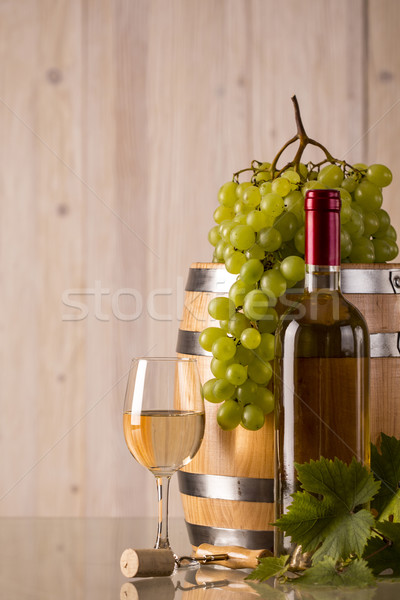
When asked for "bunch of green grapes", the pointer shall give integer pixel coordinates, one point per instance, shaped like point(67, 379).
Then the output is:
point(259, 235)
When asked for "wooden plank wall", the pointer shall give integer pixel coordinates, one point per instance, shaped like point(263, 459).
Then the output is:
point(119, 120)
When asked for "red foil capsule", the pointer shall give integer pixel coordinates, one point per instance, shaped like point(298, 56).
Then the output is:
point(322, 227)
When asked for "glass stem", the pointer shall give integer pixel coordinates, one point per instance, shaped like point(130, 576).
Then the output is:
point(162, 540)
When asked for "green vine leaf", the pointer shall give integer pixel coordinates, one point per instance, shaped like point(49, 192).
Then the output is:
point(386, 467)
point(384, 554)
point(329, 524)
point(326, 573)
point(270, 567)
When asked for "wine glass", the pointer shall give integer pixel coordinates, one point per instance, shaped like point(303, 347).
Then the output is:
point(163, 422)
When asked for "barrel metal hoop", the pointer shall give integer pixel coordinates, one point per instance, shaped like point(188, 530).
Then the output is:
point(188, 343)
point(219, 536)
point(225, 487)
point(383, 345)
point(370, 281)
point(353, 281)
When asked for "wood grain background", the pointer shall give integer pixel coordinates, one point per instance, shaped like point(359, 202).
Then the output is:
point(119, 121)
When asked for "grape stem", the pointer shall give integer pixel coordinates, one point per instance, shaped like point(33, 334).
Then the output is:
point(304, 140)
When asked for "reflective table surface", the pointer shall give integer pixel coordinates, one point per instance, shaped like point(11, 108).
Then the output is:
point(74, 559)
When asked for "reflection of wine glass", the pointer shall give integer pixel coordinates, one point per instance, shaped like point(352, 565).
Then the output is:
point(163, 422)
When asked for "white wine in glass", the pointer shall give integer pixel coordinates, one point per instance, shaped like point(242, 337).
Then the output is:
point(163, 422)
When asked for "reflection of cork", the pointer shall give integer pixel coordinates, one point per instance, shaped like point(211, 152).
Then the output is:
point(148, 589)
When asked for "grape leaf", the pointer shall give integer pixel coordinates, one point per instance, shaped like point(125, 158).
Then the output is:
point(380, 556)
point(331, 520)
point(356, 574)
point(386, 467)
point(270, 567)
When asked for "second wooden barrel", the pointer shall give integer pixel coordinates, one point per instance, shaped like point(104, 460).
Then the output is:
point(228, 489)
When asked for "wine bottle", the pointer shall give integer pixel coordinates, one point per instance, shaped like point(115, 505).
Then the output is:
point(321, 375)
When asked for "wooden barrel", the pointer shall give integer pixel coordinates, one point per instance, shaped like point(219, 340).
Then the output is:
point(227, 490)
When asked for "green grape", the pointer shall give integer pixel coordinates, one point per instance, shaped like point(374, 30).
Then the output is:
point(266, 349)
point(264, 398)
point(394, 249)
point(262, 176)
point(303, 171)
point(294, 202)
point(272, 205)
point(385, 249)
point(269, 322)
point(345, 213)
point(250, 338)
point(221, 308)
point(260, 371)
point(218, 367)
point(291, 176)
point(379, 175)
point(300, 240)
point(236, 374)
point(382, 250)
point(225, 229)
point(213, 235)
point(270, 239)
point(384, 222)
point(256, 219)
point(240, 219)
point(242, 237)
point(371, 223)
point(253, 417)
point(355, 226)
point(227, 194)
point(238, 291)
point(237, 323)
point(223, 348)
point(368, 195)
point(246, 392)
point(312, 185)
point(331, 176)
point(251, 271)
point(360, 166)
point(220, 249)
point(312, 176)
point(239, 207)
point(281, 186)
point(265, 188)
point(222, 213)
point(229, 415)
point(208, 391)
point(208, 336)
point(287, 224)
point(241, 188)
point(255, 305)
point(349, 184)
point(345, 243)
point(228, 251)
point(264, 166)
point(234, 262)
point(293, 268)
point(243, 356)
point(252, 196)
point(358, 209)
point(391, 234)
point(345, 195)
point(288, 249)
point(255, 252)
point(273, 283)
point(362, 251)
point(224, 325)
point(223, 389)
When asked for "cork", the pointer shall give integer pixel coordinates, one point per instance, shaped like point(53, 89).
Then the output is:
point(147, 563)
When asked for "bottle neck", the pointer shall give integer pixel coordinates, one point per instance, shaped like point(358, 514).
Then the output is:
point(322, 277)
